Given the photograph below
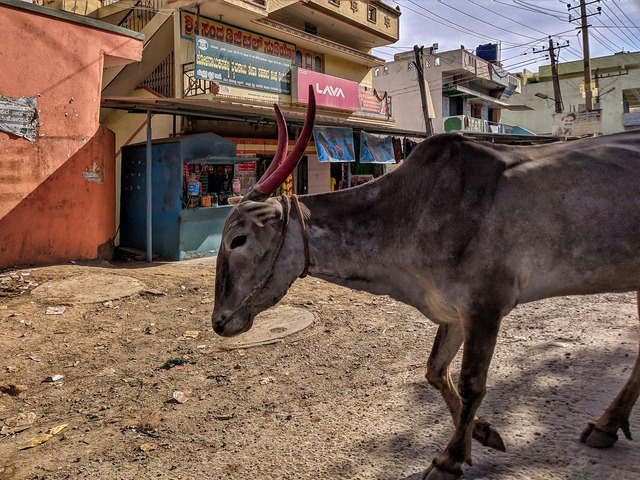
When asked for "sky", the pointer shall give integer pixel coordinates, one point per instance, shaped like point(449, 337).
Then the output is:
point(520, 27)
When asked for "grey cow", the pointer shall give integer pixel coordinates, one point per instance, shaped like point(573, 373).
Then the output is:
point(464, 231)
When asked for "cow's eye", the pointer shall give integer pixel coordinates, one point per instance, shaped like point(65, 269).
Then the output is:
point(238, 241)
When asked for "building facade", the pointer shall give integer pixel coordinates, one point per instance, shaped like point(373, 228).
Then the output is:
point(465, 92)
point(57, 170)
point(218, 68)
point(616, 99)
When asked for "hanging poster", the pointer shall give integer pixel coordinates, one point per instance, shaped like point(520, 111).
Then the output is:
point(376, 149)
point(224, 63)
point(246, 175)
point(370, 103)
point(334, 144)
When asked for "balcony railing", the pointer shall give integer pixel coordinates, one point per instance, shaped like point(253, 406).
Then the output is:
point(161, 79)
point(465, 123)
point(140, 14)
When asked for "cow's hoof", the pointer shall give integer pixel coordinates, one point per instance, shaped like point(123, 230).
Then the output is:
point(487, 435)
point(436, 473)
point(598, 438)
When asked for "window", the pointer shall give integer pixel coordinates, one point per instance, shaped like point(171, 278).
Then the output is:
point(376, 72)
point(308, 60)
point(335, 2)
point(371, 13)
point(385, 70)
point(437, 61)
point(631, 100)
point(310, 28)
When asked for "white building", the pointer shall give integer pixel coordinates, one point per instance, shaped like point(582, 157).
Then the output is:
point(617, 78)
point(464, 91)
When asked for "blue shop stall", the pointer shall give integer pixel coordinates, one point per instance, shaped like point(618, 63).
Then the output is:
point(192, 178)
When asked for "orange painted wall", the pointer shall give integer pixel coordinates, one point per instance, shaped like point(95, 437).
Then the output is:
point(69, 214)
point(59, 62)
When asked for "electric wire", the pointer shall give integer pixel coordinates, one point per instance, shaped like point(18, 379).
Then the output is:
point(625, 16)
point(618, 27)
point(493, 25)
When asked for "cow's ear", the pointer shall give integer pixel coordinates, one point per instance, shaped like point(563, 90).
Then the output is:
point(261, 213)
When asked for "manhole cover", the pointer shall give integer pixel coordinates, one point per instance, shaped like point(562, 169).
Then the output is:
point(272, 325)
point(88, 289)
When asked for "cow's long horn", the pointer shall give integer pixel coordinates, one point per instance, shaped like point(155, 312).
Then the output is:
point(267, 185)
point(281, 150)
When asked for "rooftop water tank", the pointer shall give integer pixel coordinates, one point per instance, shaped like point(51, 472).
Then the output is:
point(488, 52)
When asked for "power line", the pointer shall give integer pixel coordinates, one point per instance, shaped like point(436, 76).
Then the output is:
point(627, 17)
point(485, 22)
point(444, 21)
point(609, 28)
point(521, 5)
point(507, 18)
point(621, 30)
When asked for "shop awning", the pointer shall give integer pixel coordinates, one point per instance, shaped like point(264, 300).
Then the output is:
point(486, 99)
point(239, 111)
point(198, 148)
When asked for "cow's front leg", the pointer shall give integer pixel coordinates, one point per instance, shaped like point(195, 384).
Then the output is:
point(445, 346)
point(480, 333)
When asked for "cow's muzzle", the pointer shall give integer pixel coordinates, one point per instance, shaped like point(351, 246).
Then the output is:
point(227, 325)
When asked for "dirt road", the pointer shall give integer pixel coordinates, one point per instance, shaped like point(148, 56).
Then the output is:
point(149, 392)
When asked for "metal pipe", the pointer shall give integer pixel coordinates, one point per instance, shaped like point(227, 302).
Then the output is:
point(149, 210)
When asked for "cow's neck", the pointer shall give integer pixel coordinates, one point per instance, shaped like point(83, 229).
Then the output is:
point(351, 243)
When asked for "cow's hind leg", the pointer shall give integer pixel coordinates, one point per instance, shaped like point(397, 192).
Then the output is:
point(603, 433)
point(446, 345)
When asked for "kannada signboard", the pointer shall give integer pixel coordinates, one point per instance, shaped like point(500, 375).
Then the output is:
point(18, 116)
point(224, 63)
point(334, 144)
point(223, 32)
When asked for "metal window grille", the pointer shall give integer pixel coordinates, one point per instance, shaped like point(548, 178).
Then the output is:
point(193, 86)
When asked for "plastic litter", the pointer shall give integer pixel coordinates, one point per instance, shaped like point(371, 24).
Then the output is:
point(169, 364)
point(147, 447)
point(58, 430)
point(55, 310)
point(35, 441)
point(180, 397)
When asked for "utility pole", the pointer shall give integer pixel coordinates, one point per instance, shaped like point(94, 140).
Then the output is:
point(587, 58)
point(585, 48)
point(556, 81)
point(417, 52)
point(554, 71)
point(597, 76)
